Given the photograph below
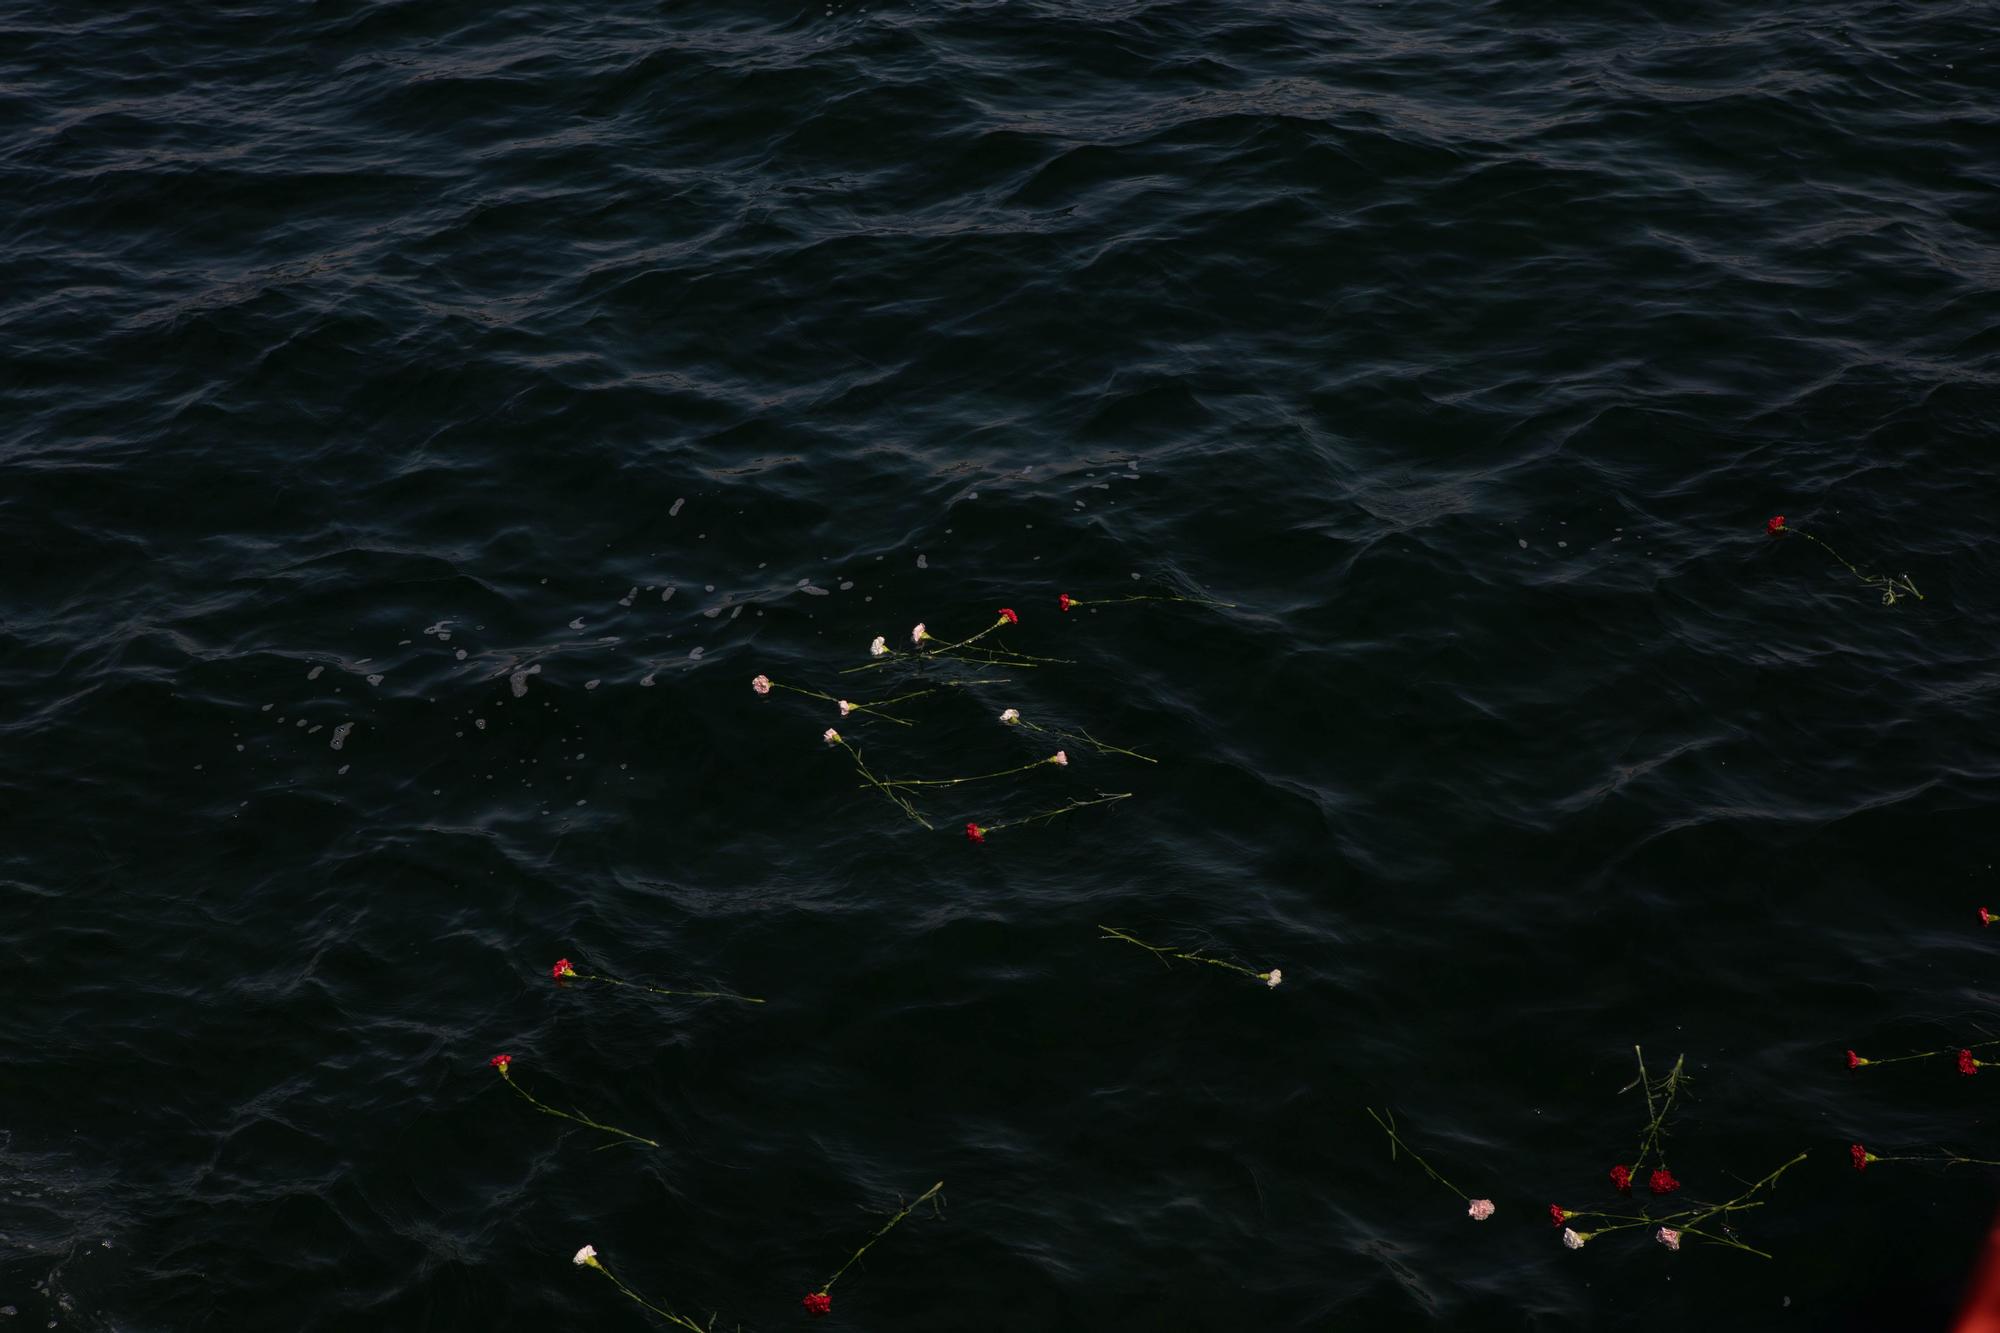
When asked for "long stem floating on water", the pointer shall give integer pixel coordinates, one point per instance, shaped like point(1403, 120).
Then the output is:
point(1103, 798)
point(1012, 717)
point(1856, 1061)
point(902, 802)
point(1396, 1141)
point(764, 685)
point(1059, 758)
point(887, 1227)
point(1163, 953)
point(562, 971)
point(587, 1258)
point(1890, 588)
point(504, 1063)
point(1659, 1105)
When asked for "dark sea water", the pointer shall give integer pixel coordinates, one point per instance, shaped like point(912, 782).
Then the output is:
point(421, 421)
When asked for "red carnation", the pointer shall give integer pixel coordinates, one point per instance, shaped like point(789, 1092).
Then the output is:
point(1007, 614)
point(818, 1303)
point(1859, 1155)
point(1775, 526)
point(1853, 1061)
point(1063, 601)
point(500, 1062)
point(1986, 918)
point(1558, 1214)
point(1663, 1182)
point(1966, 1064)
point(1621, 1176)
point(974, 833)
point(562, 969)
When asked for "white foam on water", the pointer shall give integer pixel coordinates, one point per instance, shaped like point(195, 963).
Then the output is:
point(630, 593)
point(674, 509)
point(479, 722)
point(345, 767)
point(518, 682)
point(846, 584)
point(442, 630)
point(923, 562)
point(340, 734)
point(314, 673)
point(694, 654)
point(737, 611)
point(647, 679)
point(375, 680)
point(577, 623)
point(265, 709)
point(460, 654)
point(592, 684)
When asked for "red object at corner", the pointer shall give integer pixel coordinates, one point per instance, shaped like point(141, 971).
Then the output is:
point(1981, 1311)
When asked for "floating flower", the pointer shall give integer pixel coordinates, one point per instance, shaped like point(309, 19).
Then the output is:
point(1855, 1061)
point(1573, 1239)
point(845, 707)
point(1860, 1156)
point(1662, 1182)
point(562, 969)
point(1558, 1214)
point(1273, 978)
point(830, 736)
point(1621, 1176)
point(1063, 601)
point(1011, 716)
point(1668, 1237)
point(1775, 525)
point(1479, 1209)
point(818, 1303)
point(974, 833)
point(879, 648)
point(1968, 1065)
point(761, 684)
point(586, 1257)
point(919, 634)
point(1060, 759)
point(500, 1062)
point(1987, 918)
point(1007, 614)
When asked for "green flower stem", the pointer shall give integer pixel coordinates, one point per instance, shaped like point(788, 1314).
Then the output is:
point(922, 1199)
point(1925, 1055)
point(902, 802)
point(668, 1315)
point(655, 990)
point(1046, 815)
point(1081, 737)
point(1659, 1105)
point(1890, 588)
point(1396, 1141)
point(1150, 597)
point(1741, 1201)
point(546, 1109)
point(874, 708)
point(1163, 954)
point(1948, 1161)
point(953, 782)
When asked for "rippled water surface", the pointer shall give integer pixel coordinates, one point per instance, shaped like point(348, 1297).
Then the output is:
point(423, 419)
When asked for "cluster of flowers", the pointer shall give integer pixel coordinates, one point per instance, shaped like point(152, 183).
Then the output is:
point(1967, 1064)
point(927, 650)
point(1669, 1229)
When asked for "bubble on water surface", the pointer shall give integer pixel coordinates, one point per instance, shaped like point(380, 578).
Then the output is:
point(340, 734)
